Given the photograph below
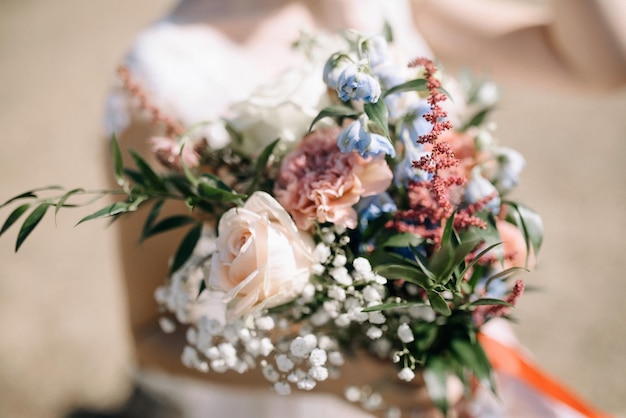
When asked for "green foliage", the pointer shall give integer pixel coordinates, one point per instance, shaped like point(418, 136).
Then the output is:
point(338, 112)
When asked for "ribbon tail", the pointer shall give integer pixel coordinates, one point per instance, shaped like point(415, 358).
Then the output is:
point(508, 360)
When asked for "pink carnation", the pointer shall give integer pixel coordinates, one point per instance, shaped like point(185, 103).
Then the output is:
point(318, 182)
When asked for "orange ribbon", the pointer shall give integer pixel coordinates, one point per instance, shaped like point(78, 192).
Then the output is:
point(510, 361)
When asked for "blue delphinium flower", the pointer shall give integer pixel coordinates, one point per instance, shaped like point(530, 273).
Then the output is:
point(334, 67)
point(405, 172)
point(370, 208)
point(376, 49)
point(355, 84)
point(390, 76)
point(479, 188)
point(414, 125)
point(510, 165)
point(356, 137)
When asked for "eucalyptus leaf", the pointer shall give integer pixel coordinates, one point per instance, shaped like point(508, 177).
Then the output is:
point(14, 216)
point(334, 111)
point(30, 223)
point(185, 250)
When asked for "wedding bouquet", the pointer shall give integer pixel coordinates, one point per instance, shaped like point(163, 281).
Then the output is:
point(354, 205)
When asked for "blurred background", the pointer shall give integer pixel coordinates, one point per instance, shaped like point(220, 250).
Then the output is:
point(63, 338)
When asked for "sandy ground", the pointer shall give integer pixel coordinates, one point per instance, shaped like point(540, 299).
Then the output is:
point(63, 338)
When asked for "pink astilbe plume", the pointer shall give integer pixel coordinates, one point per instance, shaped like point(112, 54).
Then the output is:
point(436, 205)
point(172, 126)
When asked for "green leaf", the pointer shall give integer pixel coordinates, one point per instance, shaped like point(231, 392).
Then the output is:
point(14, 216)
point(135, 176)
point(436, 379)
point(391, 305)
point(206, 191)
point(442, 262)
point(490, 301)
point(168, 224)
point(438, 303)
point(261, 164)
point(110, 210)
point(477, 119)
point(30, 223)
point(29, 194)
point(334, 111)
point(118, 163)
point(477, 258)
point(402, 272)
point(151, 218)
point(505, 274)
point(185, 250)
point(63, 199)
point(530, 224)
point(402, 240)
point(473, 357)
point(377, 114)
point(421, 262)
point(418, 84)
point(151, 178)
point(388, 32)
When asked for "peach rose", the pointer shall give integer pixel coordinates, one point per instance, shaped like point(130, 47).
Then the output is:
point(262, 259)
point(318, 182)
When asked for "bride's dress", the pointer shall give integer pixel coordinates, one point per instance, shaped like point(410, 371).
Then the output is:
point(192, 72)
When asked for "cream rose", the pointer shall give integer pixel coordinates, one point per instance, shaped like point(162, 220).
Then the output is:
point(262, 259)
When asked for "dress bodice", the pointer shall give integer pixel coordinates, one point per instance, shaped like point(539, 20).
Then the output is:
point(192, 71)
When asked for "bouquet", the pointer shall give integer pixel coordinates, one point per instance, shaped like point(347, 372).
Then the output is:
point(354, 205)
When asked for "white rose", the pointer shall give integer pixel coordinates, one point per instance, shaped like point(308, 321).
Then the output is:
point(262, 259)
point(283, 109)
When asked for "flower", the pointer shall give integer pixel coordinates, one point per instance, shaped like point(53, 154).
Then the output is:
point(356, 84)
point(376, 49)
point(283, 109)
point(317, 182)
point(510, 165)
point(334, 67)
point(413, 124)
point(356, 137)
point(262, 260)
point(479, 188)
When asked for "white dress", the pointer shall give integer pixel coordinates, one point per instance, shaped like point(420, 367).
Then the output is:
point(192, 73)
